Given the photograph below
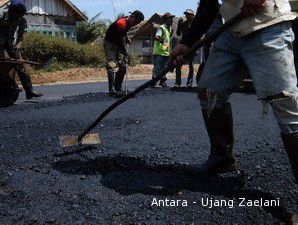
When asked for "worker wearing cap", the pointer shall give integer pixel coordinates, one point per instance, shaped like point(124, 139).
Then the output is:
point(183, 27)
point(162, 46)
point(262, 43)
point(12, 29)
point(115, 49)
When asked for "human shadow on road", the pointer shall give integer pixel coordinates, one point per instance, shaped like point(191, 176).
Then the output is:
point(129, 175)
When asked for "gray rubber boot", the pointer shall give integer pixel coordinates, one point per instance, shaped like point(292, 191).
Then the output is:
point(111, 79)
point(220, 130)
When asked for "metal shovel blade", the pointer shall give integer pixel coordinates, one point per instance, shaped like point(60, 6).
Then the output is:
point(72, 140)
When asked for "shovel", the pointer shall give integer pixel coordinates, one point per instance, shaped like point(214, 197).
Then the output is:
point(85, 138)
point(44, 65)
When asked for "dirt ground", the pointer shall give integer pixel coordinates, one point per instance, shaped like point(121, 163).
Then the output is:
point(140, 72)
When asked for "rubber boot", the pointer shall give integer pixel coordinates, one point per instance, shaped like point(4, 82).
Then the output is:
point(119, 78)
point(162, 82)
point(111, 81)
point(220, 130)
point(32, 94)
point(291, 146)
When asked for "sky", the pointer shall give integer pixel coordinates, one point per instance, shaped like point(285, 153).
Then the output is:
point(148, 7)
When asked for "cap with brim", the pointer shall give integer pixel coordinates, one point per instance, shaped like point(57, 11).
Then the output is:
point(18, 9)
point(138, 15)
point(189, 11)
point(17, 2)
point(167, 16)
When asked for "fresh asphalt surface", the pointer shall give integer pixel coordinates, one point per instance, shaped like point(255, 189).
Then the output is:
point(146, 144)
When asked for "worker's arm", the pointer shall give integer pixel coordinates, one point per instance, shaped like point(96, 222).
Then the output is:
point(158, 35)
point(204, 18)
point(180, 27)
point(21, 30)
point(123, 46)
point(206, 14)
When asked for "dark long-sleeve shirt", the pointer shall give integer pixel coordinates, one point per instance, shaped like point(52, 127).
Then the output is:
point(206, 14)
point(183, 28)
point(11, 33)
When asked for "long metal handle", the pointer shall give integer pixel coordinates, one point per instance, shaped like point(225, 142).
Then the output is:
point(210, 38)
point(20, 62)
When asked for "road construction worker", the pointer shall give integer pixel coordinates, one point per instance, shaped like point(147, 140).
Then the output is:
point(116, 52)
point(162, 47)
point(183, 27)
point(12, 29)
point(261, 43)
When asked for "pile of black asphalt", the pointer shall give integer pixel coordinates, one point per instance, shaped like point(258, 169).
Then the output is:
point(146, 144)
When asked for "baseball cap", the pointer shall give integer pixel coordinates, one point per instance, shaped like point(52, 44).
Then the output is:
point(17, 8)
point(138, 15)
point(17, 2)
point(189, 11)
point(167, 15)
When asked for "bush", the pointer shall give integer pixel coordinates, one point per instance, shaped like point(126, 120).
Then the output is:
point(134, 60)
point(40, 47)
point(89, 31)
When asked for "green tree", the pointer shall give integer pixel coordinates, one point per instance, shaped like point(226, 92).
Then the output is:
point(89, 31)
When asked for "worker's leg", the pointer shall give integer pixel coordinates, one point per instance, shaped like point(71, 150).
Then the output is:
point(191, 72)
point(271, 64)
point(222, 75)
point(205, 54)
point(159, 65)
point(24, 77)
point(163, 64)
point(122, 63)
point(157, 68)
point(111, 66)
point(120, 75)
point(178, 76)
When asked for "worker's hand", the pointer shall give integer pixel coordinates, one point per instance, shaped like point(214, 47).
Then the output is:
point(18, 46)
point(177, 55)
point(253, 7)
point(162, 41)
point(128, 41)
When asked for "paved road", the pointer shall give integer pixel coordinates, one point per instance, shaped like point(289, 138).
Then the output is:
point(55, 92)
point(146, 145)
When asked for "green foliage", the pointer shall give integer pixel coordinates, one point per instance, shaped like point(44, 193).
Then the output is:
point(134, 60)
point(39, 47)
point(89, 31)
point(56, 66)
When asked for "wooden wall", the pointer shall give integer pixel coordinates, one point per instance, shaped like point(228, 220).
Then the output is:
point(48, 7)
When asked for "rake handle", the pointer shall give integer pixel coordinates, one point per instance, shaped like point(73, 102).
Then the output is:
point(209, 39)
point(19, 62)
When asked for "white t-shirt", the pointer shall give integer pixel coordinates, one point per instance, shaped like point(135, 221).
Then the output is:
point(275, 11)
